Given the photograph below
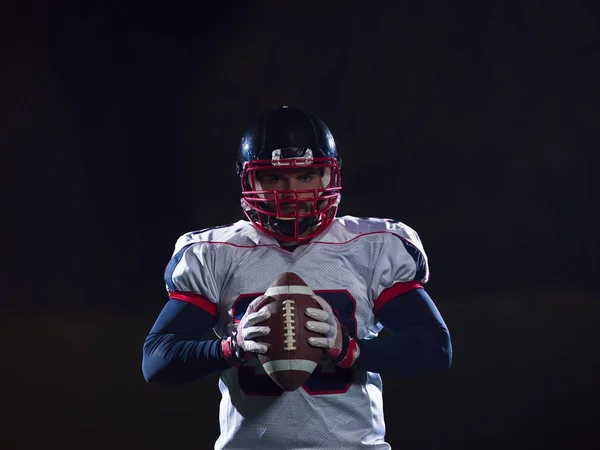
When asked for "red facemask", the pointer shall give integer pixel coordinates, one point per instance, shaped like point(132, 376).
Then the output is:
point(291, 215)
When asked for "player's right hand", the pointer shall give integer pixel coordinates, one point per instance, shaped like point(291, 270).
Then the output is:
point(241, 342)
point(249, 327)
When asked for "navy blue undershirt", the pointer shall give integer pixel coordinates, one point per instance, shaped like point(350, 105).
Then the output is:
point(175, 350)
point(420, 341)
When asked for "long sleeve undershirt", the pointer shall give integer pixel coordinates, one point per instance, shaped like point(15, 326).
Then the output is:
point(175, 350)
point(419, 343)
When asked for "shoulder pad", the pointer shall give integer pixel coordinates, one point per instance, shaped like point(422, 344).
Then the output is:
point(230, 233)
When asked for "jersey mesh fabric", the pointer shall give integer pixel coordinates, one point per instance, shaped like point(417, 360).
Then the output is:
point(349, 265)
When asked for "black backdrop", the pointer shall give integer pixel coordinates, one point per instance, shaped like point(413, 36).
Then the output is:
point(474, 122)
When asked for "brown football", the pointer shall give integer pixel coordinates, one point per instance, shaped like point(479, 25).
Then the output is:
point(290, 359)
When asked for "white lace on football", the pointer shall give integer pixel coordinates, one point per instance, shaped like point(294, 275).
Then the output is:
point(289, 335)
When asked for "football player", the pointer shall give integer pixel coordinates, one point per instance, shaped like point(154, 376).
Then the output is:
point(368, 274)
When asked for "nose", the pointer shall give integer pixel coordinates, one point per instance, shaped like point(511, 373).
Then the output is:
point(288, 185)
point(294, 184)
point(286, 195)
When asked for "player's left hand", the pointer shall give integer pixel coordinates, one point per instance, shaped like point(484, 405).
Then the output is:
point(340, 347)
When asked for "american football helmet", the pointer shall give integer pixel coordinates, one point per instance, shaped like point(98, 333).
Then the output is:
point(289, 138)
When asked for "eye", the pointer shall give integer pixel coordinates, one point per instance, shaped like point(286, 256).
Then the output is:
point(270, 178)
point(307, 176)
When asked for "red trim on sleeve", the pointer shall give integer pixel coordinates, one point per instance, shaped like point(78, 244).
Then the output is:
point(195, 299)
point(394, 290)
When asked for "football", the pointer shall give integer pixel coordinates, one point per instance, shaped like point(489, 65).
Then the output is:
point(290, 359)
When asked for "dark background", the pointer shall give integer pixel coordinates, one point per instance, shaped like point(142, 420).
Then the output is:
point(475, 123)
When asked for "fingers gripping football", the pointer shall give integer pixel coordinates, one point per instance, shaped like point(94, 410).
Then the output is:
point(249, 327)
point(340, 347)
point(241, 346)
point(327, 324)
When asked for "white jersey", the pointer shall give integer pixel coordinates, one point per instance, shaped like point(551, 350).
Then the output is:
point(356, 265)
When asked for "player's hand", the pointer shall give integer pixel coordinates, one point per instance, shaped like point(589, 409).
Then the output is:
point(340, 347)
point(241, 344)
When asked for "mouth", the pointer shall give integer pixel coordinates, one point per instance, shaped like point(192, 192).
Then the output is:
point(291, 211)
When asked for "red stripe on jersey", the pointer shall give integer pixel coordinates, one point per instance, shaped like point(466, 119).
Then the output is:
point(195, 299)
point(393, 291)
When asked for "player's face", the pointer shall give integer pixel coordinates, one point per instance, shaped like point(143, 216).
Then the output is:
point(291, 180)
